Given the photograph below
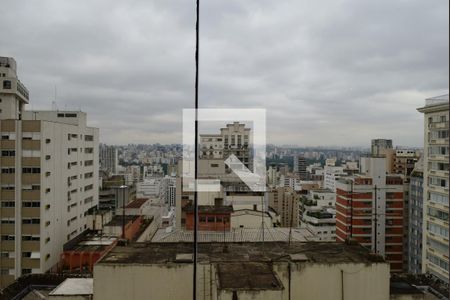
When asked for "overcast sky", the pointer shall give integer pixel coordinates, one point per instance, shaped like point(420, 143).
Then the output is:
point(337, 72)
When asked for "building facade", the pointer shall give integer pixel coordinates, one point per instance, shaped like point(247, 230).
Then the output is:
point(369, 209)
point(108, 158)
point(415, 212)
point(49, 179)
point(435, 188)
point(285, 202)
point(378, 145)
point(300, 167)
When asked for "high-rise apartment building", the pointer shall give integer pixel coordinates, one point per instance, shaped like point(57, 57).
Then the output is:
point(435, 187)
point(233, 139)
point(369, 209)
point(378, 145)
point(285, 201)
point(300, 167)
point(237, 141)
point(49, 179)
point(108, 158)
point(415, 226)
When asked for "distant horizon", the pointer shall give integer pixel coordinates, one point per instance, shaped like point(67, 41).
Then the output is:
point(332, 147)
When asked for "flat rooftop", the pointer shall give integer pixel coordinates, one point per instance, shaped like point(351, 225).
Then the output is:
point(117, 220)
point(137, 203)
point(235, 235)
point(74, 287)
point(164, 253)
point(92, 243)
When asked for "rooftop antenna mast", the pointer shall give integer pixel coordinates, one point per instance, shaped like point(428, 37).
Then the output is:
point(54, 106)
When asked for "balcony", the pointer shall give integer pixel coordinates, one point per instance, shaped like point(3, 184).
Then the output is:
point(437, 141)
point(8, 195)
point(439, 157)
point(8, 161)
point(438, 125)
point(31, 126)
point(31, 229)
point(7, 178)
point(31, 195)
point(31, 161)
point(31, 144)
point(31, 178)
point(8, 212)
point(7, 245)
point(7, 262)
point(8, 144)
point(7, 228)
point(31, 263)
point(28, 212)
point(30, 246)
point(440, 173)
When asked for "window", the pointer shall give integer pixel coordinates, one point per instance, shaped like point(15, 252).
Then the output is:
point(8, 187)
point(8, 204)
point(7, 237)
point(8, 170)
point(7, 84)
point(31, 170)
point(8, 153)
point(7, 221)
point(31, 221)
point(31, 204)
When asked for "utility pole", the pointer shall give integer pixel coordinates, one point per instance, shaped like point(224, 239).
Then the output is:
point(197, 29)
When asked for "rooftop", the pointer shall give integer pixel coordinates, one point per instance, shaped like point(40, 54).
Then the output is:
point(317, 252)
point(74, 287)
point(437, 100)
point(210, 209)
point(33, 286)
point(321, 191)
point(91, 243)
point(276, 234)
point(117, 220)
point(137, 203)
point(254, 275)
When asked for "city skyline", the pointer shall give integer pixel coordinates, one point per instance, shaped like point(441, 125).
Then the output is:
point(323, 80)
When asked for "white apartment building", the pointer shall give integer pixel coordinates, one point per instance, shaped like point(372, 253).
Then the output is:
point(291, 181)
point(49, 179)
point(321, 222)
point(167, 192)
point(149, 188)
point(108, 158)
point(331, 174)
point(435, 187)
point(318, 214)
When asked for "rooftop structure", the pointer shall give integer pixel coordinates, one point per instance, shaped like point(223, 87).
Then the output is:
point(276, 234)
point(74, 287)
point(269, 270)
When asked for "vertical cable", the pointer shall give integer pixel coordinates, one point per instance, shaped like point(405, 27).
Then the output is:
point(197, 25)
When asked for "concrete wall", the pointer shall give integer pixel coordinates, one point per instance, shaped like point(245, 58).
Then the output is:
point(305, 281)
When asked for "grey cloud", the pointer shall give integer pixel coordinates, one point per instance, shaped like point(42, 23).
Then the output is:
point(334, 72)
